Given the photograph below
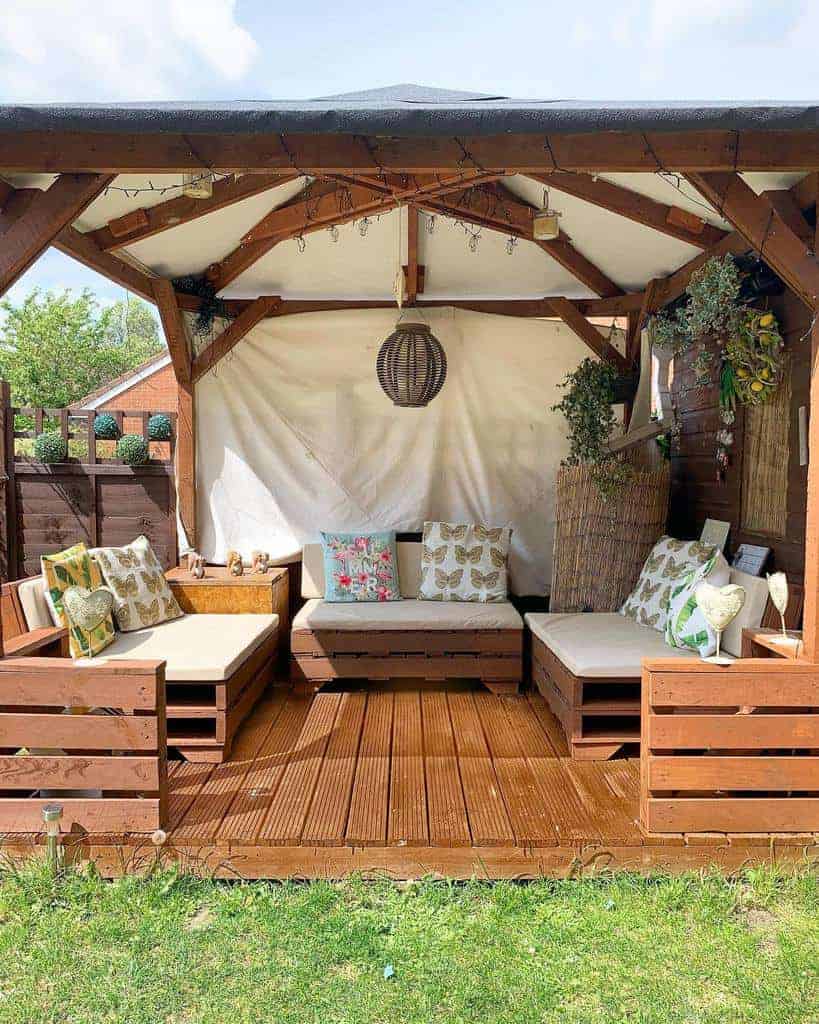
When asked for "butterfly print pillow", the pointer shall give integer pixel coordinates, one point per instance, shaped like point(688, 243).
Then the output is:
point(464, 562)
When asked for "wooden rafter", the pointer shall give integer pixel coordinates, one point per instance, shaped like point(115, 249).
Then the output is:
point(24, 237)
point(85, 250)
point(268, 152)
point(586, 331)
point(497, 209)
point(150, 220)
point(320, 205)
point(756, 219)
point(257, 310)
point(785, 203)
point(670, 220)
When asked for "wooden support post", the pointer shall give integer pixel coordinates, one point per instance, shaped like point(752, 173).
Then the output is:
point(8, 529)
point(26, 236)
point(176, 337)
point(413, 273)
point(810, 616)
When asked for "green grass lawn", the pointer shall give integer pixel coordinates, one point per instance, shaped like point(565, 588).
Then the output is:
point(619, 949)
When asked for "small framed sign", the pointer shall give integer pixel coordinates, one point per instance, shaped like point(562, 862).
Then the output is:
point(751, 558)
point(715, 533)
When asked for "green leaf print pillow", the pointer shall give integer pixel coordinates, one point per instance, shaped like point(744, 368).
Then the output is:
point(686, 627)
point(75, 568)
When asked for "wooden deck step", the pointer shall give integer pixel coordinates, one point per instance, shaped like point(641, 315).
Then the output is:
point(369, 804)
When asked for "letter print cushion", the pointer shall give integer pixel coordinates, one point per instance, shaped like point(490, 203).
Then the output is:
point(74, 567)
point(142, 596)
point(360, 567)
point(464, 562)
point(668, 562)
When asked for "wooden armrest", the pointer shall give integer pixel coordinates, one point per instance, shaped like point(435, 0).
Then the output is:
point(36, 640)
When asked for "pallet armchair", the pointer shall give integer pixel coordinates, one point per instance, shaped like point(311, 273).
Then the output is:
point(216, 665)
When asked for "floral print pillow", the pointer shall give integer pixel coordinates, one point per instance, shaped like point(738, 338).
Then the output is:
point(360, 567)
point(668, 563)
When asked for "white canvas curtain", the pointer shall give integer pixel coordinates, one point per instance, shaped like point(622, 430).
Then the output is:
point(295, 435)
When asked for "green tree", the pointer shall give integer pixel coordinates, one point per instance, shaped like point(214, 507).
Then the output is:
point(55, 348)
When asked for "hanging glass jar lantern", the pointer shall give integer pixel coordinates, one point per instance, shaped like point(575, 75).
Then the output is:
point(197, 184)
point(545, 226)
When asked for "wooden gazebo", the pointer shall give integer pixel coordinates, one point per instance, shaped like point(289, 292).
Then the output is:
point(648, 194)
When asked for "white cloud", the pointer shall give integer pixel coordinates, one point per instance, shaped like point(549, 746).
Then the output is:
point(67, 50)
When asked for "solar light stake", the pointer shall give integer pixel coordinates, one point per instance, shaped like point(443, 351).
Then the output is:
point(51, 816)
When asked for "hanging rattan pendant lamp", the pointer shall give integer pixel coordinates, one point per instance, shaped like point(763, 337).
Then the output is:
point(411, 363)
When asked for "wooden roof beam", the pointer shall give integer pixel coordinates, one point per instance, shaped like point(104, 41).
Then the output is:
point(330, 153)
point(756, 219)
point(588, 333)
point(498, 209)
point(670, 220)
point(254, 312)
point(151, 220)
point(26, 235)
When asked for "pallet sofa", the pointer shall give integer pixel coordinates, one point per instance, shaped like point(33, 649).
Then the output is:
point(587, 666)
point(216, 666)
point(410, 639)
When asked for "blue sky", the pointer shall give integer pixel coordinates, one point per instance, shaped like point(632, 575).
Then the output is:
point(81, 50)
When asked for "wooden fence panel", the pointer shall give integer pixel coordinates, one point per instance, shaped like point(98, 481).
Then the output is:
point(93, 498)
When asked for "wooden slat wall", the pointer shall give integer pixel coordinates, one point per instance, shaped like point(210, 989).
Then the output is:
point(695, 492)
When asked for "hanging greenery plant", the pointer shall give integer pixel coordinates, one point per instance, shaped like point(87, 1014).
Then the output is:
point(210, 307)
point(748, 343)
point(587, 406)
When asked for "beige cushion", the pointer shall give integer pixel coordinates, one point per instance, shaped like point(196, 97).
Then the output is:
point(600, 643)
point(34, 605)
point(409, 569)
point(409, 614)
point(196, 647)
point(756, 598)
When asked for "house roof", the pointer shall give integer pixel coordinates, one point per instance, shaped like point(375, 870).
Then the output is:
point(409, 109)
point(109, 391)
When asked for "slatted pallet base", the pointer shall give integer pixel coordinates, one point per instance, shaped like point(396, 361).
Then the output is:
point(599, 716)
point(407, 783)
point(203, 717)
point(492, 656)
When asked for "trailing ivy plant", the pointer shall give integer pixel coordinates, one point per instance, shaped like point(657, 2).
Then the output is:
point(748, 343)
point(587, 406)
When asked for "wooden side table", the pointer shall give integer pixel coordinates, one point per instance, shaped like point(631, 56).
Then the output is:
point(767, 643)
point(219, 593)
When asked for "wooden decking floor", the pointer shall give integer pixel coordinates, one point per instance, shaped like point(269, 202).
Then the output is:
point(410, 782)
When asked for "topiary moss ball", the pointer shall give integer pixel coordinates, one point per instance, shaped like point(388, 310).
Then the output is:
point(105, 427)
point(159, 427)
point(50, 446)
point(132, 449)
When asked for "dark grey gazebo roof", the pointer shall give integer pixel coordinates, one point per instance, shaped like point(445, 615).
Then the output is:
point(413, 110)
